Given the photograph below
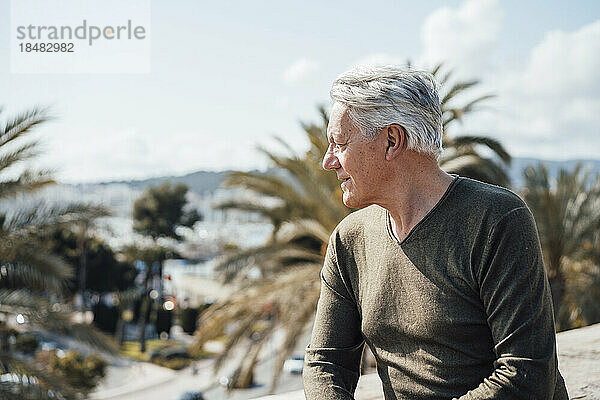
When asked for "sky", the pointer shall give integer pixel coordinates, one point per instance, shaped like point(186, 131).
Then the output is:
point(227, 77)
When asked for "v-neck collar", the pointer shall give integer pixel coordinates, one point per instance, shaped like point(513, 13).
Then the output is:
point(388, 220)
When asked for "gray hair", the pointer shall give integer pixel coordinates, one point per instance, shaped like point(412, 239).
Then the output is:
point(377, 97)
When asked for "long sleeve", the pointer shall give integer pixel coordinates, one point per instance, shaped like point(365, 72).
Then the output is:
point(515, 293)
point(332, 361)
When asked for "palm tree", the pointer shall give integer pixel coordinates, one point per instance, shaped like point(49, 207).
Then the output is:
point(462, 154)
point(32, 280)
point(150, 255)
point(567, 215)
point(304, 204)
point(158, 213)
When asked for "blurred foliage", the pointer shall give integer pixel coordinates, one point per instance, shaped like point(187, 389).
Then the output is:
point(161, 209)
point(158, 213)
point(106, 317)
point(567, 214)
point(104, 272)
point(152, 257)
point(16, 148)
point(188, 317)
point(79, 372)
point(33, 279)
point(147, 254)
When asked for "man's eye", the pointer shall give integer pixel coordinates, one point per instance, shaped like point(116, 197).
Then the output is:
point(336, 146)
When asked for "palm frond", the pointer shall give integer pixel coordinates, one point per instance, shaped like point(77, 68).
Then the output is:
point(53, 317)
point(21, 153)
point(295, 326)
point(456, 89)
point(30, 276)
point(47, 276)
point(21, 124)
point(492, 144)
point(274, 213)
point(461, 154)
point(43, 216)
point(435, 71)
point(28, 181)
point(31, 380)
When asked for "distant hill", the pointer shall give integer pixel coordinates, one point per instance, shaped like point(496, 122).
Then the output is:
point(200, 182)
point(518, 165)
point(204, 182)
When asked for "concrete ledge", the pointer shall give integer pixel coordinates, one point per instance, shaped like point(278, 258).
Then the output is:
point(579, 361)
point(578, 358)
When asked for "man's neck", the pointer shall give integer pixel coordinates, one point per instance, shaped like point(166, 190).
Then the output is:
point(419, 188)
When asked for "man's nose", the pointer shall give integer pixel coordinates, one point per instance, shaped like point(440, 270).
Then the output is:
point(330, 161)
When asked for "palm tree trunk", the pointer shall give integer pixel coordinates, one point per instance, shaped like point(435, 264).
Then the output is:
point(142, 323)
point(120, 330)
point(82, 247)
point(144, 310)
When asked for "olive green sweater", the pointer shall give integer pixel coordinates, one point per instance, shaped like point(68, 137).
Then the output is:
point(461, 308)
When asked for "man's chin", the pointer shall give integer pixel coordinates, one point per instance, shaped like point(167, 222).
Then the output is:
point(350, 201)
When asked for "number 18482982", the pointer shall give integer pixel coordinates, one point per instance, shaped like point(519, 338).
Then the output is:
point(47, 47)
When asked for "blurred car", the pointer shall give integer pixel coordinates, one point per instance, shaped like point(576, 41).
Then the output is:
point(191, 396)
point(170, 353)
point(294, 365)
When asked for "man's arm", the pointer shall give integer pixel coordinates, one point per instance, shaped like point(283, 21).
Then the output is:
point(515, 293)
point(332, 362)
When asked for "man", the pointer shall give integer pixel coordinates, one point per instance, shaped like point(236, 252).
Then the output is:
point(441, 276)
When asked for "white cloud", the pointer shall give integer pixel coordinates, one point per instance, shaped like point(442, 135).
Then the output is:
point(464, 37)
point(566, 63)
point(547, 105)
point(550, 106)
point(299, 70)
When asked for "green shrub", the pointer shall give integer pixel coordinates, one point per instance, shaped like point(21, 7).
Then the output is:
point(80, 372)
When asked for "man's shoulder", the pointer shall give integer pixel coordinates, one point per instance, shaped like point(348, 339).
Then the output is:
point(478, 197)
point(358, 222)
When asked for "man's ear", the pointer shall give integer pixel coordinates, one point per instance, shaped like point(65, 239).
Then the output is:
point(396, 141)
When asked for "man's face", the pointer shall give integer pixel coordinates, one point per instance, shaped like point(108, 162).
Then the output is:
point(358, 162)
